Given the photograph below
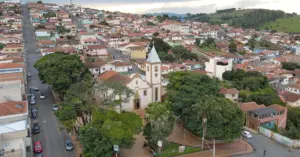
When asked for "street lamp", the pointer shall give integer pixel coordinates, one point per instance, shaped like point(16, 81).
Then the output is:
point(204, 120)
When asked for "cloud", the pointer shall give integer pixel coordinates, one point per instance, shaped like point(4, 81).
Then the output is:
point(184, 6)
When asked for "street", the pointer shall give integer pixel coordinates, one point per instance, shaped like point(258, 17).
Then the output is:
point(273, 149)
point(52, 135)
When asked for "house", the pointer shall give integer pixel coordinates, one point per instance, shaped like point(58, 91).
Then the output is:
point(95, 67)
point(146, 89)
point(12, 76)
point(99, 51)
point(293, 88)
point(13, 48)
point(117, 66)
point(138, 52)
point(42, 33)
point(291, 99)
point(90, 41)
point(260, 115)
point(231, 94)
point(15, 128)
point(174, 27)
point(218, 65)
point(10, 40)
point(46, 43)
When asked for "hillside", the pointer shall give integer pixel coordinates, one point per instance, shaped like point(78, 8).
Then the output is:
point(169, 14)
point(246, 18)
point(289, 25)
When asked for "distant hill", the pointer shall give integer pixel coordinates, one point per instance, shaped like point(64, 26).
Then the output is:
point(246, 18)
point(289, 25)
point(169, 14)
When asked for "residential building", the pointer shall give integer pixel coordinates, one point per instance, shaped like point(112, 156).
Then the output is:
point(99, 51)
point(260, 115)
point(218, 65)
point(293, 88)
point(138, 52)
point(231, 94)
point(291, 99)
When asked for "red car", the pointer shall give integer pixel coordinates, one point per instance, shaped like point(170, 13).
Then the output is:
point(38, 147)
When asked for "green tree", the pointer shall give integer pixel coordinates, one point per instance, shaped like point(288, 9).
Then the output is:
point(155, 34)
point(150, 23)
point(104, 23)
point(232, 47)
point(2, 46)
point(49, 15)
point(293, 123)
point(290, 65)
point(94, 143)
point(92, 26)
point(118, 128)
point(61, 71)
point(160, 122)
point(224, 119)
point(190, 95)
point(39, 2)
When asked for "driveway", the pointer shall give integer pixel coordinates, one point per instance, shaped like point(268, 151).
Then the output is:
point(52, 135)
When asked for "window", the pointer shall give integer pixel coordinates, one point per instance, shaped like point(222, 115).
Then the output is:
point(103, 69)
point(156, 94)
point(147, 68)
point(233, 95)
point(96, 69)
point(136, 82)
point(145, 92)
point(156, 68)
point(156, 74)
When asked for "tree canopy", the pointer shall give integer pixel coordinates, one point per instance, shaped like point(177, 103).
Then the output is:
point(160, 122)
point(253, 86)
point(62, 70)
point(290, 65)
point(293, 123)
point(188, 94)
point(49, 15)
point(104, 23)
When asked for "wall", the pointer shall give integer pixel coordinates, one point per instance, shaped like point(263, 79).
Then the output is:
point(138, 54)
point(279, 138)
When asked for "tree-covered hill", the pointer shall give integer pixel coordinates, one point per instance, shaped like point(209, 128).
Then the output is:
point(289, 25)
point(246, 18)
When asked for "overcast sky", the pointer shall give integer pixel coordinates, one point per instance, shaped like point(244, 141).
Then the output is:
point(185, 6)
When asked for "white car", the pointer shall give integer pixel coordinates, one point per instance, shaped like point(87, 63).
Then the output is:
point(246, 134)
point(42, 96)
point(29, 75)
point(55, 107)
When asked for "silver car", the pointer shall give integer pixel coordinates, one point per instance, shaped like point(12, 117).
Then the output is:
point(69, 145)
point(32, 101)
point(55, 107)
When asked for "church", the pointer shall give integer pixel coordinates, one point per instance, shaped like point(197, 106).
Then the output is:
point(146, 89)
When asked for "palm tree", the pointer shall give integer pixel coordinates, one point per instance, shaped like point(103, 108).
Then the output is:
point(160, 122)
point(205, 108)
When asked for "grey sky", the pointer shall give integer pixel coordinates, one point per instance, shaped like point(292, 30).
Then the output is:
point(184, 6)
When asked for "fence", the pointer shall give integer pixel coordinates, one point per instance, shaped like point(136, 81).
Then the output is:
point(279, 138)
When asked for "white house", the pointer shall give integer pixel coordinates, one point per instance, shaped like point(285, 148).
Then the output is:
point(146, 89)
point(99, 51)
point(293, 88)
point(218, 65)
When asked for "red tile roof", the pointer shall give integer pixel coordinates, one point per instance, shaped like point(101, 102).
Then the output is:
point(229, 91)
point(250, 106)
point(13, 107)
point(112, 76)
point(10, 65)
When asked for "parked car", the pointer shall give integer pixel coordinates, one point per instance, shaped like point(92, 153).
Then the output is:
point(29, 74)
point(34, 88)
point(34, 115)
point(55, 107)
point(42, 96)
point(69, 145)
point(34, 109)
point(246, 134)
point(36, 128)
point(32, 101)
point(38, 155)
point(38, 147)
point(31, 96)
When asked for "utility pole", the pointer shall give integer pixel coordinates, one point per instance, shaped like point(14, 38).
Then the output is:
point(214, 149)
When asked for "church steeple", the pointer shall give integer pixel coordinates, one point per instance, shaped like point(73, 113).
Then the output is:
point(153, 56)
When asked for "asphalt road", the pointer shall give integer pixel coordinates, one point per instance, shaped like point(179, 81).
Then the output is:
point(273, 149)
point(52, 135)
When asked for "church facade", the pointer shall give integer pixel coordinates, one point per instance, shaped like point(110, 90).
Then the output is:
point(146, 89)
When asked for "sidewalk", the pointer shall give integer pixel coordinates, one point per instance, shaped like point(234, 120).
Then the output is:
point(184, 137)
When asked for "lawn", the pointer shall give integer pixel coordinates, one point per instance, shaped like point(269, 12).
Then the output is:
point(287, 25)
point(172, 150)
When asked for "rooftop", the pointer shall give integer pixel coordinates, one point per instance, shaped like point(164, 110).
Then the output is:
point(13, 107)
point(13, 127)
point(263, 111)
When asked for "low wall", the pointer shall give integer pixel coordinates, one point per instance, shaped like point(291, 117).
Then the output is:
point(279, 138)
